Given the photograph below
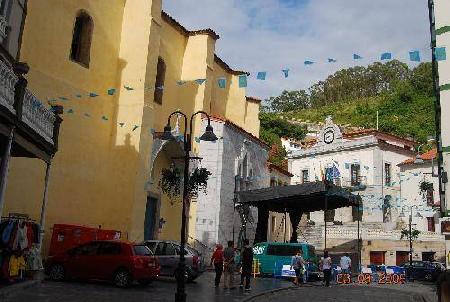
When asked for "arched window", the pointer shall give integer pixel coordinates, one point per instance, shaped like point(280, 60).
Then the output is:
point(81, 40)
point(159, 83)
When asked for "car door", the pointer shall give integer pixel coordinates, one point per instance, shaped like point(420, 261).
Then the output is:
point(166, 256)
point(108, 259)
point(172, 257)
point(80, 264)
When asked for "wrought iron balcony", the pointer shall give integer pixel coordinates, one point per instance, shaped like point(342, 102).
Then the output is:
point(38, 117)
point(8, 81)
point(358, 183)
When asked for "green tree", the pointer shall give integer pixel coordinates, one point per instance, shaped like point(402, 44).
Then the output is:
point(289, 101)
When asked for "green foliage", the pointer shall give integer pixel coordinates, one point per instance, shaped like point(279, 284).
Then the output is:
point(290, 101)
point(425, 186)
point(414, 234)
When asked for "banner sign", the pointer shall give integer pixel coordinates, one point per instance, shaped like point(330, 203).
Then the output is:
point(286, 271)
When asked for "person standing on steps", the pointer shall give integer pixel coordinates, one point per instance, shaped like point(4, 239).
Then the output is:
point(217, 260)
point(325, 266)
point(247, 262)
point(228, 255)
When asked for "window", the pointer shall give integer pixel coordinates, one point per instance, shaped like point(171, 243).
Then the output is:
point(355, 171)
point(387, 174)
point(282, 250)
point(273, 224)
point(142, 250)
point(109, 248)
point(159, 83)
point(430, 221)
point(430, 196)
point(305, 176)
point(89, 249)
point(169, 249)
point(81, 40)
point(160, 249)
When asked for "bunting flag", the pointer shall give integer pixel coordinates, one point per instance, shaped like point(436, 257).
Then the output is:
point(111, 91)
point(308, 62)
point(286, 73)
point(242, 81)
point(135, 127)
point(200, 81)
point(261, 75)
point(128, 88)
point(330, 60)
point(70, 111)
point(180, 83)
point(104, 118)
point(93, 95)
point(87, 115)
point(63, 98)
point(386, 56)
point(414, 56)
point(197, 139)
point(440, 54)
point(79, 96)
point(356, 57)
point(222, 82)
point(121, 124)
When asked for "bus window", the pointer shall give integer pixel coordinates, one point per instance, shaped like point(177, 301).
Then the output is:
point(282, 250)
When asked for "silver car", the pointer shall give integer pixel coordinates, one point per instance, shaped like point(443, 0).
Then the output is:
point(168, 254)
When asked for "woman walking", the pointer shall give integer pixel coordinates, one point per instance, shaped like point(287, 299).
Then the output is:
point(298, 263)
point(325, 266)
point(217, 260)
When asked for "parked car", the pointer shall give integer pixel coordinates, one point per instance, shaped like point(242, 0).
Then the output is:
point(421, 270)
point(116, 261)
point(168, 254)
point(439, 265)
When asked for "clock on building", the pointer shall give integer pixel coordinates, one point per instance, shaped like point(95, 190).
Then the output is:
point(328, 136)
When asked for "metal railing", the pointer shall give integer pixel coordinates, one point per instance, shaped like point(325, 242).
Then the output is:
point(37, 116)
point(8, 80)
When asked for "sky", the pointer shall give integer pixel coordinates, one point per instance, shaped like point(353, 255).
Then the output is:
point(272, 35)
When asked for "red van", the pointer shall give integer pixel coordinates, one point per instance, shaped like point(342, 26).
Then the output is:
point(116, 261)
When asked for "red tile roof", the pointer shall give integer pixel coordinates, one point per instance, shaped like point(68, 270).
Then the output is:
point(425, 157)
point(208, 31)
point(380, 135)
point(225, 66)
point(280, 169)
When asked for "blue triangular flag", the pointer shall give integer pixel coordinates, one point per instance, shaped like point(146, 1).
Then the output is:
point(104, 118)
point(386, 56)
point(135, 127)
point(414, 56)
point(93, 95)
point(79, 96)
point(200, 81)
point(111, 91)
point(261, 75)
point(286, 72)
point(440, 54)
point(63, 98)
point(242, 81)
point(308, 62)
point(330, 60)
point(356, 57)
point(128, 88)
point(222, 82)
point(179, 83)
point(121, 124)
point(87, 115)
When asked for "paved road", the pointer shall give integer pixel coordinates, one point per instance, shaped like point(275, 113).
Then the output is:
point(162, 290)
point(345, 293)
point(203, 290)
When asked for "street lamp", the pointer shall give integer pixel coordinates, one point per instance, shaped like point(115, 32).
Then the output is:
point(418, 215)
point(209, 136)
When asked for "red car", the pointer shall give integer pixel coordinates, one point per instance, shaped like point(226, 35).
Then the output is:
point(116, 261)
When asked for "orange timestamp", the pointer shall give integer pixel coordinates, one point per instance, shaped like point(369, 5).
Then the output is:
point(383, 278)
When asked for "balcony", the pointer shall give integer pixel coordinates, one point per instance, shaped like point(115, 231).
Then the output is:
point(8, 81)
point(358, 184)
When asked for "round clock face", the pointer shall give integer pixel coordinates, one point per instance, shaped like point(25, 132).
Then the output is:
point(328, 136)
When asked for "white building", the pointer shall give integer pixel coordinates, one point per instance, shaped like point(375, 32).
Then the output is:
point(237, 161)
point(366, 162)
point(442, 30)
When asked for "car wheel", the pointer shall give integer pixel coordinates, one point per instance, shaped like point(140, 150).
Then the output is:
point(429, 277)
point(144, 282)
point(57, 272)
point(122, 278)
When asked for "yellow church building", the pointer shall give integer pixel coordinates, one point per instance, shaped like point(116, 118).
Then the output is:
point(119, 68)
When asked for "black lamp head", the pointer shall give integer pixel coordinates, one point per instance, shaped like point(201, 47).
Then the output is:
point(209, 135)
point(167, 135)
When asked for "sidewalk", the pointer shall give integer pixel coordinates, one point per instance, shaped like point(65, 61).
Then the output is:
point(8, 290)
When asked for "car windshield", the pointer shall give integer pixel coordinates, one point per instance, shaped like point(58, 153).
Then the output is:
point(142, 250)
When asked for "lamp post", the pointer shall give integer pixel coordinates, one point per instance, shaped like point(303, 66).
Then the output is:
point(209, 136)
point(418, 215)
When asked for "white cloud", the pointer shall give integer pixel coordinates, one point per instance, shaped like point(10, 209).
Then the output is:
point(269, 35)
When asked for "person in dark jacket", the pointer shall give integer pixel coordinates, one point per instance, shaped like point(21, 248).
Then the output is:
point(247, 262)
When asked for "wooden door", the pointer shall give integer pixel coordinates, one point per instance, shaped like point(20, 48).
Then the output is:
point(401, 257)
point(377, 258)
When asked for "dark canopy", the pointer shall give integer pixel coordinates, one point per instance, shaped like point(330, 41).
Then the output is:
point(295, 200)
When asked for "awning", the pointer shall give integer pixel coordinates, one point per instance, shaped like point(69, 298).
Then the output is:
point(308, 197)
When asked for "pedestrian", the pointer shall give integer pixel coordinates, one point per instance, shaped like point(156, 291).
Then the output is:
point(217, 260)
point(247, 263)
point(228, 267)
point(325, 266)
point(346, 264)
point(298, 263)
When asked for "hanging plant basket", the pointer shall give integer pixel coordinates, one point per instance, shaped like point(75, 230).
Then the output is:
point(172, 179)
point(425, 186)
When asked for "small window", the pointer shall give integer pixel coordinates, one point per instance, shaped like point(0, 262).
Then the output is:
point(160, 79)
point(355, 174)
point(81, 40)
point(387, 174)
point(108, 248)
point(431, 227)
point(430, 196)
point(142, 250)
point(305, 176)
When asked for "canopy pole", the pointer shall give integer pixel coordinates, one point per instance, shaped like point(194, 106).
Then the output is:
point(285, 224)
point(325, 220)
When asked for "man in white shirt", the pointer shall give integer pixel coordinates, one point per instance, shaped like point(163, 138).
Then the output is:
point(346, 264)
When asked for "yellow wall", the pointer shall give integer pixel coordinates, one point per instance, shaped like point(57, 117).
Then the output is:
point(102, 171)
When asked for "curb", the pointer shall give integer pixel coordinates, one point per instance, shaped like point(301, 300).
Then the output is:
point(15, 288)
